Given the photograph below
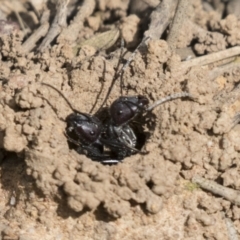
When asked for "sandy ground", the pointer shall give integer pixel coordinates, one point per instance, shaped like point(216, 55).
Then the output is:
point(184, 183)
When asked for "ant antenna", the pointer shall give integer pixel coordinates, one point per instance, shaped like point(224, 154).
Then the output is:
point(99, 93)
point(169, 98)
point(67, 101)
point(132, 56)
point(59, 92)
point(116, 75)
point(122, 70)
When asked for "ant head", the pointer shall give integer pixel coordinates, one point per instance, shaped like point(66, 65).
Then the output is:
point(85, 126)
point(124, 109)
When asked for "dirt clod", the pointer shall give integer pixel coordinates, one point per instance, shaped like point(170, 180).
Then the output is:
point(186, 143)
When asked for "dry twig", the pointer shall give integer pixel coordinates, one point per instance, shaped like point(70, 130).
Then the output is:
point(211, 58)
point(218, 71)
point(186, 53)
point(160, 18)
point(232, 232)
point(21, 23)
point(178, 21)
point(70, 34)
point(58, 24)
point(232, 195)
point(233, 7)
point(30, 43)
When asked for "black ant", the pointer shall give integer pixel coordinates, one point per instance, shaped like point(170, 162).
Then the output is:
point(114, 139)
point(116, 134)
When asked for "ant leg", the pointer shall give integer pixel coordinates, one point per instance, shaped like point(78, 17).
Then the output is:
point(115, 77)
point(121, 141)
point(93, 151)
point(122, 70)
point(61, 94)
point(169, 98)
point(96, 154)
point(113, 81)
point(72, 140)
point(132, 56)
